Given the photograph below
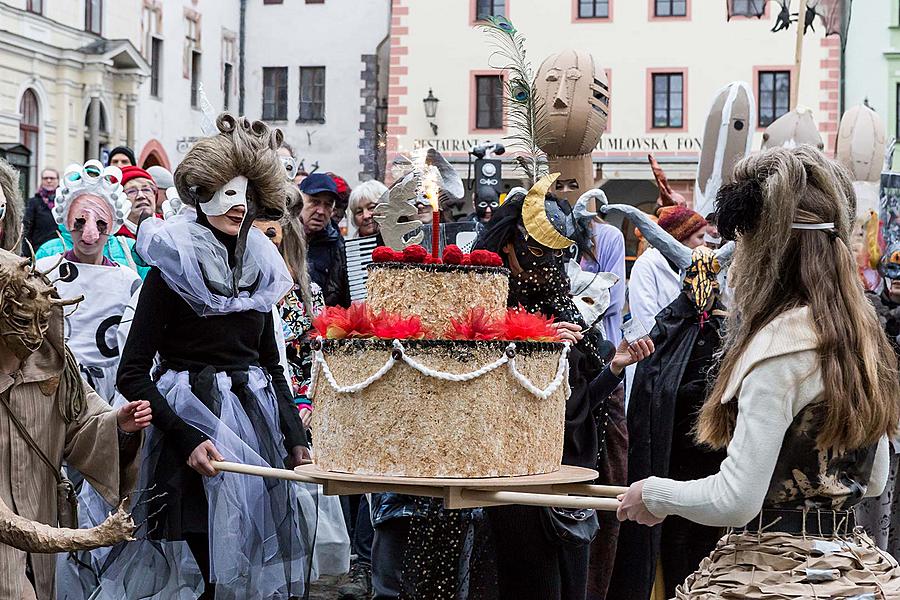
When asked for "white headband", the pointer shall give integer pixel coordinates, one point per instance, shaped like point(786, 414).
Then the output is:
point(812, 226)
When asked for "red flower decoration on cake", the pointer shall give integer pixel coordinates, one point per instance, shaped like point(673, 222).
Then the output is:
point(485, 258)
point(474, 325)
point(337, 323)
point(520, 324)
point(453, 255)
point(383, 254)
point(415, 254)
point(392, 326)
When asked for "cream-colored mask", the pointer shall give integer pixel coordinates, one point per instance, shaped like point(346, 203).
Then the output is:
point(575, 95)
point(233, 193)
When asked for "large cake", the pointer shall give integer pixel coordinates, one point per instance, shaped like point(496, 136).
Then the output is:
point(438, 407)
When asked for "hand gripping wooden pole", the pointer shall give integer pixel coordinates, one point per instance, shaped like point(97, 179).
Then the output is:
point(561, 489)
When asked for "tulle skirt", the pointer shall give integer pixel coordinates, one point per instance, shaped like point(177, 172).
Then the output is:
point(261, 531)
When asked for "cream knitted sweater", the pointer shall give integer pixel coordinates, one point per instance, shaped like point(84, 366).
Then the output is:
point(774, 380)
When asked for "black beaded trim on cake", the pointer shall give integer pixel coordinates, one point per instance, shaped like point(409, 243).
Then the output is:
point(522, 347)
point(441, 268)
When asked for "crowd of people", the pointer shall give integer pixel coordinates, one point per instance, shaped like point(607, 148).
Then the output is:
point(751, 404)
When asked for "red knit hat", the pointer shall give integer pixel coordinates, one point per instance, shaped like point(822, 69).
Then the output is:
point(129, 173)
point(680, 221)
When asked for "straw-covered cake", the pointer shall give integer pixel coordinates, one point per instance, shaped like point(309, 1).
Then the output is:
point(437, 293)
point(435, 378)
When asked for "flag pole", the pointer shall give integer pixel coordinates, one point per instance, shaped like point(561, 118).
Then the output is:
point(798, 52)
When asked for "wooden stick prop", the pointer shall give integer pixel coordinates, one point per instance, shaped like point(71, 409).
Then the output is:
point(798, 52)
point(232, 467)
point(599, 497)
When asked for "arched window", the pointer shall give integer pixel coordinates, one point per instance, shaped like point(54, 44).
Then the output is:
point(89, 152)
point(29, 131)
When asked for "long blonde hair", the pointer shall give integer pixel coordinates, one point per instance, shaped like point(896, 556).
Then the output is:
point(293, 247)
point(777, 268)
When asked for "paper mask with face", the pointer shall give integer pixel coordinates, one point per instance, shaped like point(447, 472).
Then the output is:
point(861, 143)
point(290, 166)
point(574, 93)
point(233, 193)
point(26, 301)
point(793, 129)
point(272, 230)
point(90, 215)
point(727, 138)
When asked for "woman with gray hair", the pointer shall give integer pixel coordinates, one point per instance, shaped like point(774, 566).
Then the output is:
point(361, 209)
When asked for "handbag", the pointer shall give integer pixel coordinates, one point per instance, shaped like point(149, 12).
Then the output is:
point(66, 499)
point(570, 526)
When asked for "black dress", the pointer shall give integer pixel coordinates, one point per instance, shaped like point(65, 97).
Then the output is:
point(219, 378)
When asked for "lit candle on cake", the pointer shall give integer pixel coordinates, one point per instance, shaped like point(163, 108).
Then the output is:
point(430, 190)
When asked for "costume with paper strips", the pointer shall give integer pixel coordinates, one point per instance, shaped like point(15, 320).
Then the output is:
point(802, 410)
point(669, 388)
point(46, 396)
point(220, 390)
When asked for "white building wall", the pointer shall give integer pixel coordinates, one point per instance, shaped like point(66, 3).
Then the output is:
point(868, 39)
point(335, 34)
point(435, 46)
point(41, 53)
point(167, 125)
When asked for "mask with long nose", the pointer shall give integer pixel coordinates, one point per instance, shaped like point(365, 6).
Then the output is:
point(89, 220)
point(574, 93)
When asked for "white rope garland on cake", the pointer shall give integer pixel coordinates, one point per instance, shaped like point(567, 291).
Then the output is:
point(508, 358)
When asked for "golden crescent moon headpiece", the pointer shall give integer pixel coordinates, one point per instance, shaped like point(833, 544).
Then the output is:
point(534, 216)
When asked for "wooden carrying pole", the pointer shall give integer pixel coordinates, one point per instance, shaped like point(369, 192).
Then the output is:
point(599, 497)
point(798, 53)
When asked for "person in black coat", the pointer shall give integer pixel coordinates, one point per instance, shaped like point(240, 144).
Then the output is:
point(668, 390)
point(39, 224)
point(531, 561)
point(325, 256)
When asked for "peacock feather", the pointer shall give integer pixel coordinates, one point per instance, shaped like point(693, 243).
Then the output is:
point(524, 109)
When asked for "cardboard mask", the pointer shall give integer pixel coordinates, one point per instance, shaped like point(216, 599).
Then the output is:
point(574, 93)
point(861, 143)
point(793, 129)
point(726, 140)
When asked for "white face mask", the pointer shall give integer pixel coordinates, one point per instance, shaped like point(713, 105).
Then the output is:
point(290, 166)
point(233, 193)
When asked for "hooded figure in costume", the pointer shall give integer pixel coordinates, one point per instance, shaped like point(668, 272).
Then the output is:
point(10, 207)
point(44, 395)
point(804, 401)
point(668, 389)
point(534, 233)
point(220, 391)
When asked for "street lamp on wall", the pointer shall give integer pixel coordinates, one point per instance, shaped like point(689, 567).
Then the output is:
point(431, 104)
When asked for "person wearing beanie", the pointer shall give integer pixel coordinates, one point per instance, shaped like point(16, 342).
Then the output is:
point(655, 282)
point(343, 193)
point(121, 156)
point(684, 224)
point(141, 191)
